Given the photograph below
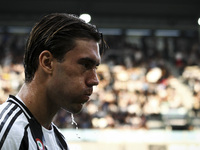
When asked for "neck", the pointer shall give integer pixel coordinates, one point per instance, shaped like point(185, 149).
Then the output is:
point(35, 100)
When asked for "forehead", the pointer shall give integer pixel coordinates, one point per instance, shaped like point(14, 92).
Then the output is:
point(85, 48)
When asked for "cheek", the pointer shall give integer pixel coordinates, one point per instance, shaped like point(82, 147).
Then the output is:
point(70, 79)
point(72, 83)
point(75, 79)
point(81, 82)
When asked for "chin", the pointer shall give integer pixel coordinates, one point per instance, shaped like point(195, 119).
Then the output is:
point(75, 109)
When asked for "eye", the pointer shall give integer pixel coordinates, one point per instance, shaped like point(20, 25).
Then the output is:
point(87, 65)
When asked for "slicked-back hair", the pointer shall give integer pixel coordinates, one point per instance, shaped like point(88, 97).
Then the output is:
point(57, 33)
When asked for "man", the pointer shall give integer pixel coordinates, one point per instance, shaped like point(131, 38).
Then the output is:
point(61, 56)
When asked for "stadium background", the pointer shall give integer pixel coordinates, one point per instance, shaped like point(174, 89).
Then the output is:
point(149, 94)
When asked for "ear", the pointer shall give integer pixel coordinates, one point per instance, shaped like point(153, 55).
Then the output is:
point(46, 61)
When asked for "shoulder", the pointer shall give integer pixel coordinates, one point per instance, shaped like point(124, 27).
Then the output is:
point(11, 115)
point(12, 126)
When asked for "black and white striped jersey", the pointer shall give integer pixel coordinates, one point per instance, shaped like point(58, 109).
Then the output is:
point(19, 130)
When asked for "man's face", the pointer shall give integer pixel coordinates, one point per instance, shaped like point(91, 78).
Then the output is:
point(73, 79)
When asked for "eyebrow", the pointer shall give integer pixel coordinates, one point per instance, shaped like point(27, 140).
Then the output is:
point(90, 60)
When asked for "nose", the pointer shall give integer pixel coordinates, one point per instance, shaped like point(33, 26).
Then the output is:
point(92, 79)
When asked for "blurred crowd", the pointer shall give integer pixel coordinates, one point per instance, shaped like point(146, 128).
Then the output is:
point(144, 85)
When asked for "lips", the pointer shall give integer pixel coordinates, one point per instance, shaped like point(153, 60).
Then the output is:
point(89, 91)
point(88, 94)
point(85, 97)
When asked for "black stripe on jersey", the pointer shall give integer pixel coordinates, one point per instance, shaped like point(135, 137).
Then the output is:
point(9, 127)
point(2, 112)
point(24, 143)
point(7, 116)
point(14, 100)
point(60, 139)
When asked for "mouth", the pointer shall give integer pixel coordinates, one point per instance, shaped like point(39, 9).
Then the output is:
point(89, 91)
point(86, 96)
